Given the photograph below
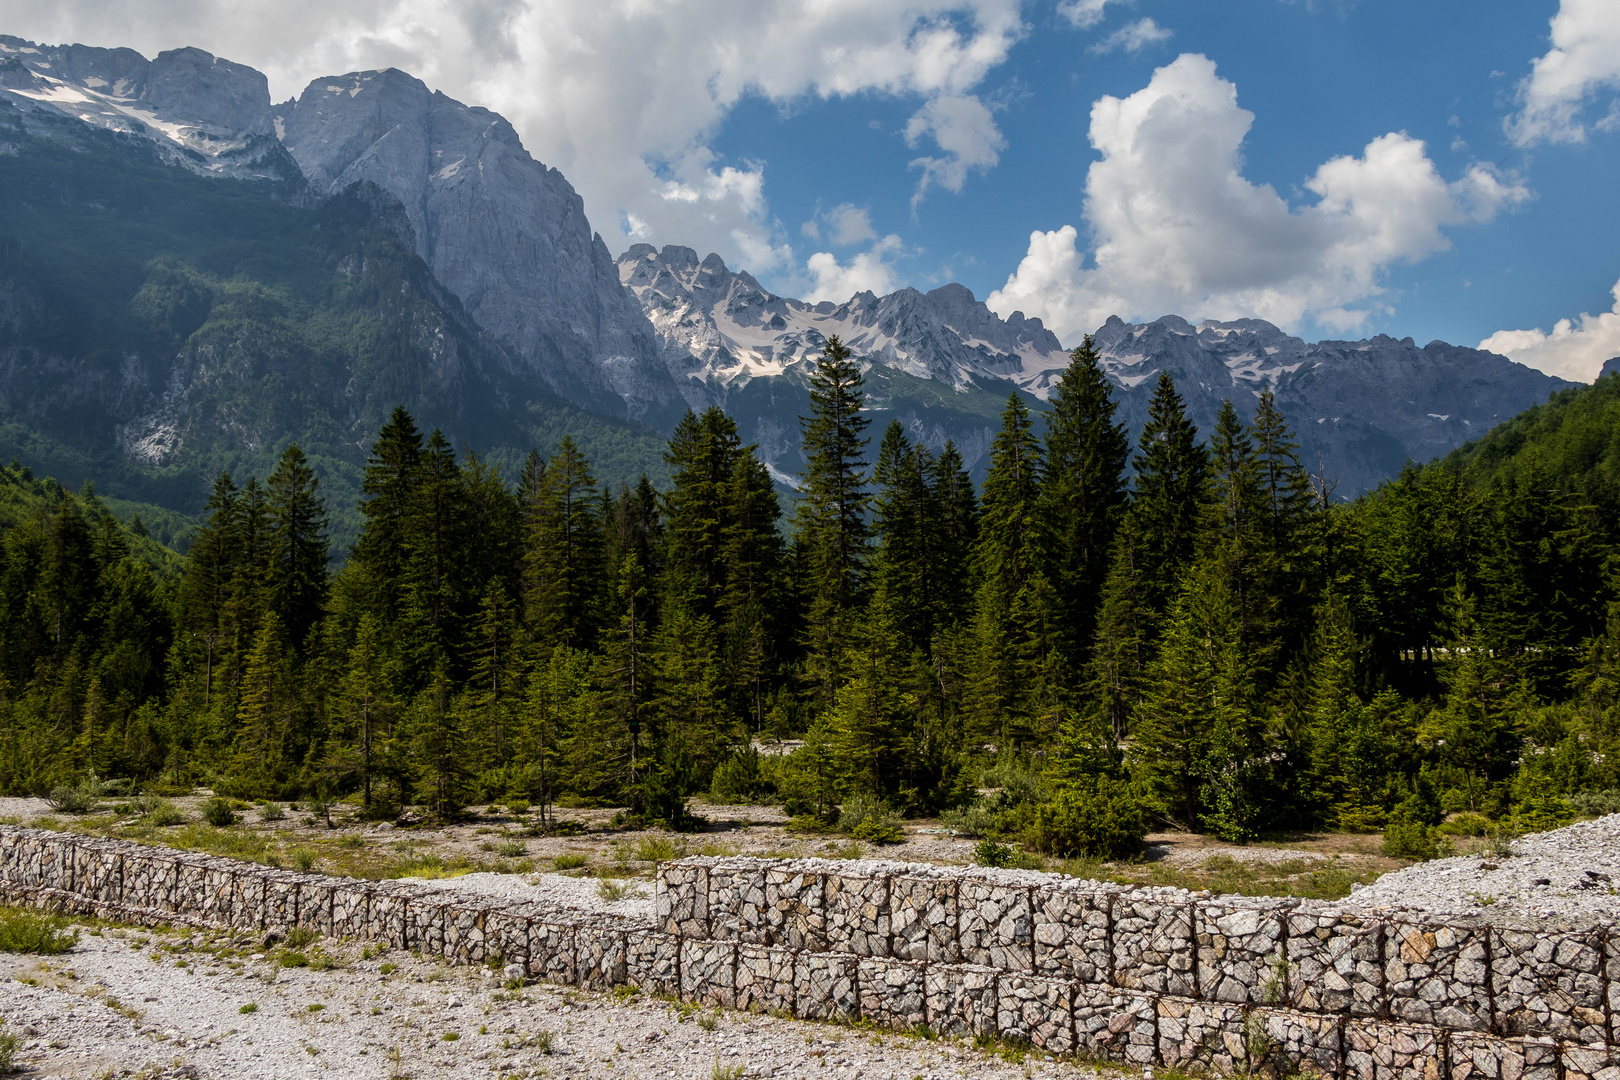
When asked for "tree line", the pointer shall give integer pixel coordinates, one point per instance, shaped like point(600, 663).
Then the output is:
point(1189, 630)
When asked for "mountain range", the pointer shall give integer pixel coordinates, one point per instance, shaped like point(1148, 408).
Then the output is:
point(192, 275)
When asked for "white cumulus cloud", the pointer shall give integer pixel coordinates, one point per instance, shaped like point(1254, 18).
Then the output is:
point(1576, 348)
point(962, 127)
point(1133, 37)
point(870, 271)
point(1563, 84)
point(1175, 226)
point(624, 96)
point(1084, 13)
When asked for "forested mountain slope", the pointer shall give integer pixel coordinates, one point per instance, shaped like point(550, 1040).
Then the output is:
point(1571, 443)
point(157, 326)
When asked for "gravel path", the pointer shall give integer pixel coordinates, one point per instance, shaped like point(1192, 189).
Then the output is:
point(1570, 874)
point(123, 1002)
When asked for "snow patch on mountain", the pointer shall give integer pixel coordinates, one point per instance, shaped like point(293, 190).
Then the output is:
point(716, 326)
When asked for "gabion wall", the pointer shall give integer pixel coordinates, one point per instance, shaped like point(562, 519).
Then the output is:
point(1140, 976)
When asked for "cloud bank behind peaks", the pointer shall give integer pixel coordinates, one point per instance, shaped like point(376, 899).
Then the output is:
point(1576, 348)
point(1177, 227)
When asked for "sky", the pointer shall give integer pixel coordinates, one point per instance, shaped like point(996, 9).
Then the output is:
point(1439, 170)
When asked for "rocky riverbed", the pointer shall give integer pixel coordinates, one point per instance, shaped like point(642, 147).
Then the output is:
point(1568, 874)
point(149, 1004)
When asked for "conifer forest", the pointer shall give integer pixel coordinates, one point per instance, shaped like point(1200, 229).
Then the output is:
point(1191, 631)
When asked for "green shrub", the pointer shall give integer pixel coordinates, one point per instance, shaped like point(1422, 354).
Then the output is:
point(29, 932)
point(570, 861)
point(1102, 818)
point(1546, 811)
point(658, 849)
point(164, 814)
point(738, 779)
point(1595, 803)
point(517, 807)
point(1410, 840)
point(1464, 825)
point(869, 819)
point(511, 849)
point(988, 852)
point(299, 936)
point(272, 812)
point(10, 1043)
point(974, 820)
point(218, 813)
point(303, 858)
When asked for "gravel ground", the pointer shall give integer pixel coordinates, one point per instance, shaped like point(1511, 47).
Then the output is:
point(580, 894)
point(122, 1004)
point(1570, 874)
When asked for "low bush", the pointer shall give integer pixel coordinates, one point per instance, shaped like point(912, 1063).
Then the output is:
point(974, 820)
point(869, 819)
point(658, 849)
point(1595, 803)
point(272, 812)
point(988, 852)
point(10, 1043)
point(303, 858)
point(1465, 825)
point(30, 932)
point(164, 814)
point(1102, 817)
point(218, 813)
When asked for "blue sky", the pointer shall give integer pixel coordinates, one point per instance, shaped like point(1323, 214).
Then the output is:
point(1442, 169)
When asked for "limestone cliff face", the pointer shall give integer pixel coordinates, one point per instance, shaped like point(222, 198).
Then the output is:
point(502, 231)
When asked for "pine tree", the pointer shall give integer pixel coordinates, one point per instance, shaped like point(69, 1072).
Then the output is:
point(906, 522)
point(702, 457)
point(626, 670)
point(692, 730)
point(393, 475)
point(1126, 627)
point(1171, 473)
point(493, 685)
point(562, 564)
point(831, 529)
point(439, 726)
point(369, 710)
point(437, 536)
point(955, 531)
point(261, 719)
point(296, 577)
point(868, 726)
point(1083, 488)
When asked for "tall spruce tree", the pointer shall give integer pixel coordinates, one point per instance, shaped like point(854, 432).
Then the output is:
point(1084, 489)
point(1172, 468)
point(393, 474)
point(562, 564)
point(831, 529)
point(296, 545)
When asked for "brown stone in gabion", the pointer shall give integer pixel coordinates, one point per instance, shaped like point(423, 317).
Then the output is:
point(427, 917)
point(1208, 1033)
point(464, 939)
point(551, 951)
point(892, 993)
point(995, 924)
point(506, 931)
point(681, 897)
point(388, 917)
point(1037, 1010)
point(315, 903)
point(1153, 945)
point(600, 948)
point(1071, 932)
point(1588, 1062)
point(1549, 983)
point(281, 900)
point(764, 978)
point(1377, 1050)
point(793, 909)
point(737, 906)
point(825, 986)
point(98, 871)
point(1241, 958)
point(1476, 1055)
point(708, 972)
point(247, 889)
point(1335, 961)
point(923, 918)
point(962, 999)
point(1119, 1025)
point(1309, 1042)
point(1436, 974)
point(148, 880)
point(653, 961)
point(220, 893)
point(857, 913)
point(351, 902)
